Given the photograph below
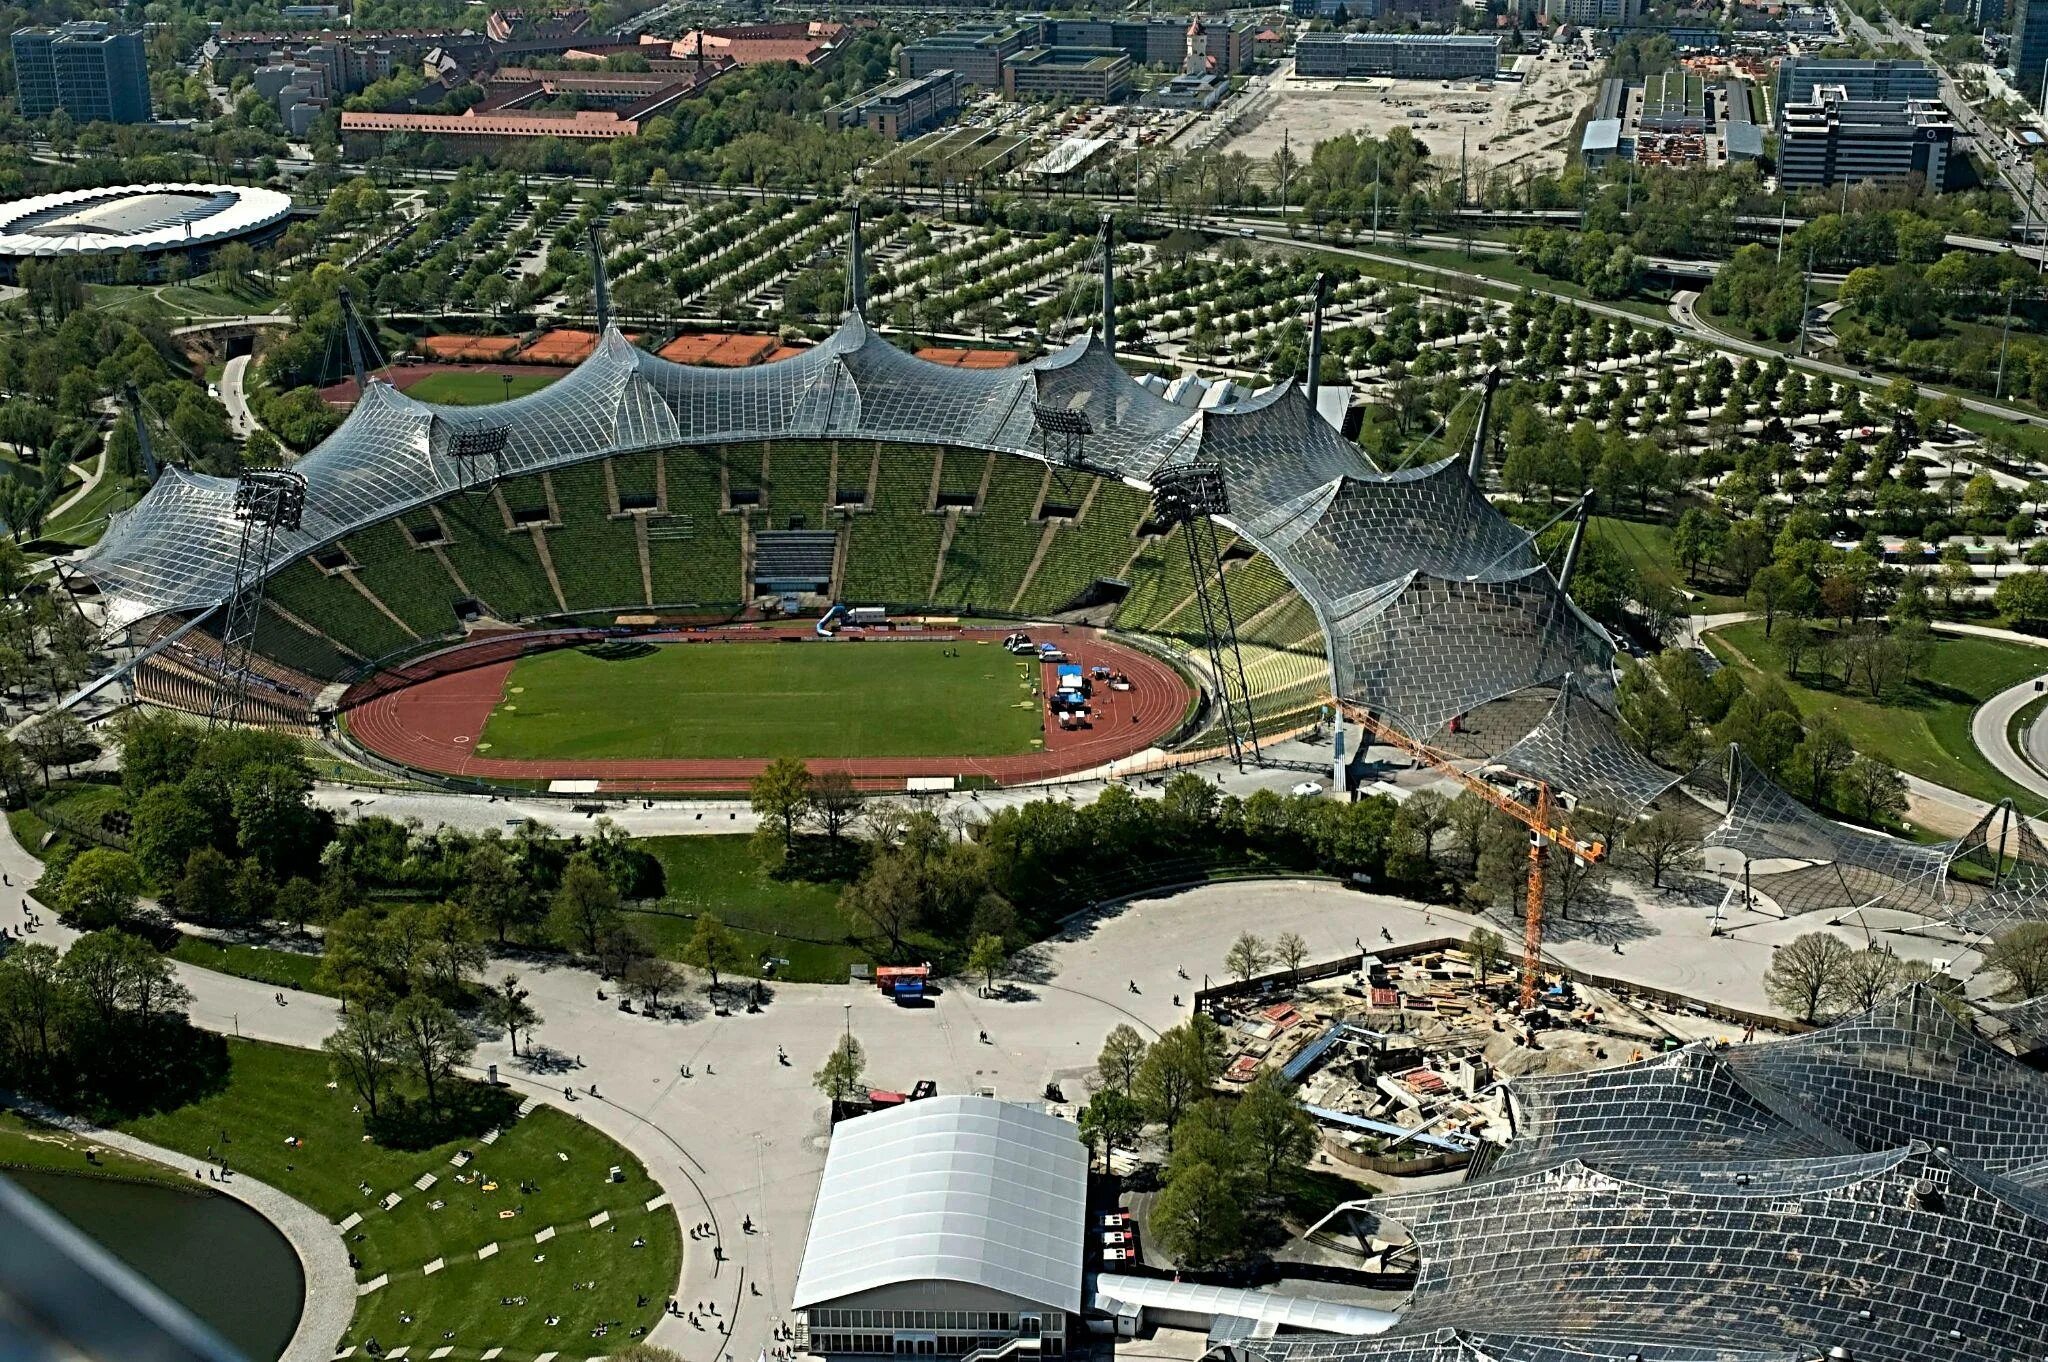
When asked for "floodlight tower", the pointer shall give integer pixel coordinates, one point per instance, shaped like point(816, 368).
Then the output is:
point(1191, 496)
point(266, 500)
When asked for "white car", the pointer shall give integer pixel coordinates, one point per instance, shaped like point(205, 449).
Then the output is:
point(1308, 789)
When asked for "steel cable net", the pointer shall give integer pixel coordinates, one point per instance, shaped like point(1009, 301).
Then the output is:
point(1685, 1105)
point(1578, 748)
point(1907, 1069)
point(2028, 1021)
point(1897, 1256)
point(1455, 1345)
point(1848, 867)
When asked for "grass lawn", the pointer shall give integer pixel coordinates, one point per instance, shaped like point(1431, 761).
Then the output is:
point(265, 964)
point(84, 522)
point(28, 1143)
point(791, 917)
point(456, 389)
point(1648, 549)
point(76, 802)
point(1927, 733)
point(548, 1170)
point(868, 699)
point(1508, 270)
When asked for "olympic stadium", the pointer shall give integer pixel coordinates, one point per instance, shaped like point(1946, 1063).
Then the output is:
point(638, 493)
point(1873, 1192)
point(150, 222)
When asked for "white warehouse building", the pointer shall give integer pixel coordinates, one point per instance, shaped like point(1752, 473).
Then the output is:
point(944, 1227)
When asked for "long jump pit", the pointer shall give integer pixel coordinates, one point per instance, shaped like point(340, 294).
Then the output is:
point(703, 710)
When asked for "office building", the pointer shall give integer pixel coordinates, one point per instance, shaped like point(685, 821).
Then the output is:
point(944, 1227)
point(2029, 44)
point(1593, 13)
point(1416, 56)
point(975, 52)
point(1160, 42)
point(1833, 139)
point(902, 109)
point(1863, 81)
point(1083, 75)
point(94, 72)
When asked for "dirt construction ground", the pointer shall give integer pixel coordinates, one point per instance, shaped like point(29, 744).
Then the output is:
point(1518, 124)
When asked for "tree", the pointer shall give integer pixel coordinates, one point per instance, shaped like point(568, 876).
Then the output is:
point(1247, 956)
point(1272, 1125)
point(1199, 1217)
point(433, 1041)
point(782, 794)
point(1876, 789)
point(585, 907)
point(166, 828)
point(889, 896)
point(1661, 844)
point(1806, 974)
point(1777, 590)
point(507, 1008)
point(839, 1077)
point(1822, 755)
point(454, 948)
point(1417, 822)
point(1115, 1118)
point(1123, 1052)
point(985, 959)
point(1867, 976)
point(835, 802)
point(1176, 1071)
point(31, 999)
point(363, 1052)
point(2022, 598)
point(116, 976)
point(1485, 948)
point(205, 891)
point(101, 889)
point(493, 889)
point(1289, 950)
point(2022, 956)
point(650, 976)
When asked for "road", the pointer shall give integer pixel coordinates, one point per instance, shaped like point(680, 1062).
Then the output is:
point(233, 376)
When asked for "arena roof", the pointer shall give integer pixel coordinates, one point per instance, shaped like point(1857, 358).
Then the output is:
point(136, 218)
point(964, 1189)
point(1433, 602)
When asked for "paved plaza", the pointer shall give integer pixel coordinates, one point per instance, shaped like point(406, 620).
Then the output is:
point(744, 1137)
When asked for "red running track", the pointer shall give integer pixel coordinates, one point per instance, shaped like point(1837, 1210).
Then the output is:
point(433, 724)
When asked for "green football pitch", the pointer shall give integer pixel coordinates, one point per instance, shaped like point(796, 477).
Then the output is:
point(460, 388)
point(806, 699)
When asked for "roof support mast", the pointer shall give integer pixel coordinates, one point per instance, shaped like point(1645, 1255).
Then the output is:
point(856, 265)
point(1315, 337)
point(600, 292)
point(351, 333)
point(1109, 283)
point(142, 448)
point(1475, 466)
point(1571, 553)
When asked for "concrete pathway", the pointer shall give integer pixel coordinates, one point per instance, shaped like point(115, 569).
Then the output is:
point(89, 478)
point(323, 1258)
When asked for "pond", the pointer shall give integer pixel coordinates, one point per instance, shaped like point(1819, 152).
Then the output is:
point(210, 1253)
